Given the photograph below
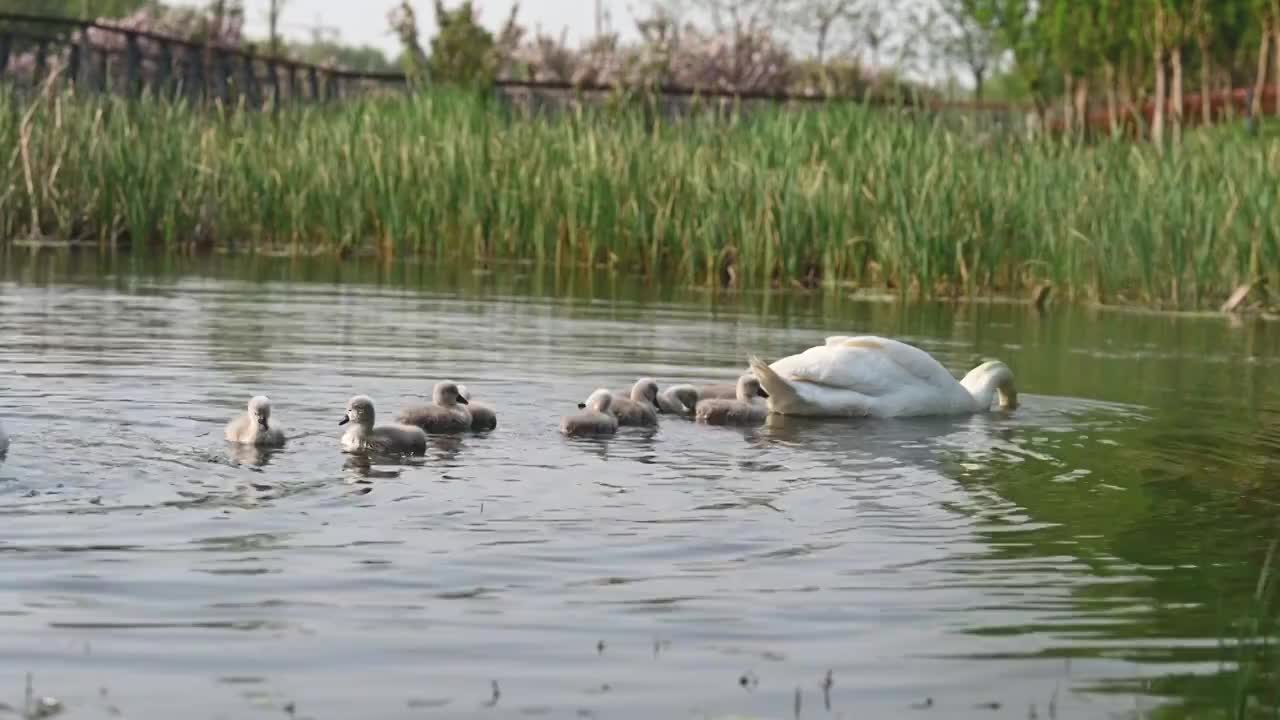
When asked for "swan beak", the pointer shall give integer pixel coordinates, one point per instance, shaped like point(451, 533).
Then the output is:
point(463, 401)
point(262, 422)
point(762, 393)
point(344, 420)
point(582, 406)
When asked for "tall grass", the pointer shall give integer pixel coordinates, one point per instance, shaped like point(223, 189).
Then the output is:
point(836, 195)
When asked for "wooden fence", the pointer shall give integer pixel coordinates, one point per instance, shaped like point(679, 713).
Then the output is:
point(104, 58)
point(110, 59)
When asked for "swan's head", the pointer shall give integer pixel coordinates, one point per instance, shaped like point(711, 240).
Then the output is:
point(260, 410)
point(992, 376)
point(463, 392)
point(749, 387)
point(446, 394)
point(359, 411)
point(599, 401)
point(645, 390)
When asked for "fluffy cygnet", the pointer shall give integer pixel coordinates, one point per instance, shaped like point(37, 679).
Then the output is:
point(739, 411)
point(254, 426)
point(445, 414)
point(641, 408)
point(596, 418)
point(482, 416)
point(725, 391)
point(678, 399)
point(362, 436)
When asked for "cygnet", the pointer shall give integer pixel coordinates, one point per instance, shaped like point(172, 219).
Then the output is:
point(482, 416)
point(254, 426)
point(739, 411)
point(595, 420)
point(445, 414)
point(641, 408)
point(362, 436)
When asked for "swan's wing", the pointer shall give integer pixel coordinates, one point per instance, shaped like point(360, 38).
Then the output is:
point(868, 365)
point(912, 359)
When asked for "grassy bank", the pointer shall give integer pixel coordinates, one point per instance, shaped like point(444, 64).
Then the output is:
point(836, 195)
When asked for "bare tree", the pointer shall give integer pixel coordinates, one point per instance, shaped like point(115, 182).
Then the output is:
point(964, 32)
point(818, 21)
point(274, 8)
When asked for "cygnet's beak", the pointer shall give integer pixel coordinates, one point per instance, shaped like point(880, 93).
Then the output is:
point(582, 406)
point(262, 422)
point(762, 393)
point(462, 400)
point(345, 419)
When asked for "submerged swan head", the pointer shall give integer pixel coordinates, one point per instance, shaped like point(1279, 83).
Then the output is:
point(359, 411)
point(645, 390)
point(599, 401)
point(260, 410)
point(447, 393)
point(992, 380)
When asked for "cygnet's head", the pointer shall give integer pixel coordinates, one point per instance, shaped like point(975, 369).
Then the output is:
point(359, 411)
point(645, 390)
point(749, 387)
point(260, 410)
point(600, 400)
point(463, 392)
point(686, 395)
point(447, 393)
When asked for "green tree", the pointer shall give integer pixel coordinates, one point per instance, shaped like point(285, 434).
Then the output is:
point(462, 51)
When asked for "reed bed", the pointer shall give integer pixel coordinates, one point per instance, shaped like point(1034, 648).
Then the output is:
point(835, 196)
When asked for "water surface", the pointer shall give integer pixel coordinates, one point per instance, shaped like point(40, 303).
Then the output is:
point(1096, 553)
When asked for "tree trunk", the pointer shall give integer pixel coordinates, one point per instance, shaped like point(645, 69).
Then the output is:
point(1275, 48)
point(1068, 112)
point(1157, 111)
point(1206, 80)
point(979, 82)
point(1175, 61)
point(1082, 106)
point(1109, 74)
point(1260, 84)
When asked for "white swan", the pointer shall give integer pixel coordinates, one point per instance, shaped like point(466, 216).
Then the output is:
point(869, 376)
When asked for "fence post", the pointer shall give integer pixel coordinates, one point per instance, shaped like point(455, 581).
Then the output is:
point(134, 65)
point(313, 79)
point(6, 42)
point(273, 77)
point(42, 51)
point(250, 78)
point(164, 74)
point(224, 75)
point(104, 67)
point(196, 73)
point(73, 62)
point(294, 85)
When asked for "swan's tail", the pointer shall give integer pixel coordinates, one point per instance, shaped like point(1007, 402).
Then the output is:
point(781, 392)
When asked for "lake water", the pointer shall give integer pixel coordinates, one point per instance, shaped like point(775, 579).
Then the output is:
point(1096, 553)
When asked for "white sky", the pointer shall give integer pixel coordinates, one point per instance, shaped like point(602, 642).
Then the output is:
point(364, 22)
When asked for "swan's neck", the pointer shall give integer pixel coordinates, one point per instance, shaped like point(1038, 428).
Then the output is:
point(991, 381)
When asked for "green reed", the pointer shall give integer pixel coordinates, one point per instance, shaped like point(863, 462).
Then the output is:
point(840, 195)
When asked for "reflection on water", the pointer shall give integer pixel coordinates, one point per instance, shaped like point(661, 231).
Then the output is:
point(1096, 552)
